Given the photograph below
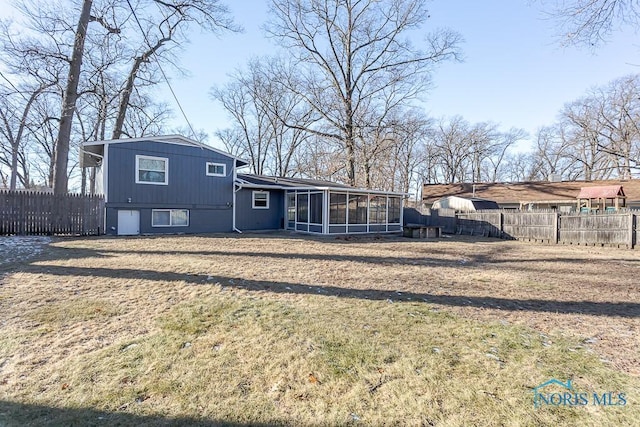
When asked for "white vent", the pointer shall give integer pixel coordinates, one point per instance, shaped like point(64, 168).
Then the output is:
point(555, 177)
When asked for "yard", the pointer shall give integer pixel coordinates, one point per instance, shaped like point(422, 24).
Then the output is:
point(288, 330)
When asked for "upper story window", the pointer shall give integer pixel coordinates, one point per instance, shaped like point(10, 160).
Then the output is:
point(152, 170)
point(216, 169)
point(260, 200)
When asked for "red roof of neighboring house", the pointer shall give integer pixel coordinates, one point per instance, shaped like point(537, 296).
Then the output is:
point(601, 192)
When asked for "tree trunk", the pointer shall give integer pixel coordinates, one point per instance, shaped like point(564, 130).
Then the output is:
point(14, 167)
point(125, 98)
point(60, 180)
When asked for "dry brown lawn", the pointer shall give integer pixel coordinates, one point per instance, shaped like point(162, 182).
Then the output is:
point(291, 330)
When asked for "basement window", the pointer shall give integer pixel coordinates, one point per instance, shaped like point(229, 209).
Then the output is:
point(170, 218)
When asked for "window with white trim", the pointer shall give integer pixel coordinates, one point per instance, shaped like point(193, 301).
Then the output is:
point(216, 169)
point(152, 170)
point(170, 218)
point(260, 200)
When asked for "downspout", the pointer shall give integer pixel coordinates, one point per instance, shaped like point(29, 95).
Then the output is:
point(233, 202)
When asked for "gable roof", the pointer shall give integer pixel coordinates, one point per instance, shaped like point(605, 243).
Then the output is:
point(282, 183)
point(516, 192)
point(602, 192)
point(86, 147)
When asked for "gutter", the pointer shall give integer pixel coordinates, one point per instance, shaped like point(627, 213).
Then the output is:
point(245, 184)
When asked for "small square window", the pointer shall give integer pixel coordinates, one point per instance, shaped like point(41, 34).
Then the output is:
point(260, 200)
point(216, 169)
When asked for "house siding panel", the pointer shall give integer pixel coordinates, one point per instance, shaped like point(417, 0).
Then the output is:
point(188, 182)
point(248, 218)
point(200, 221)
point(208, 198)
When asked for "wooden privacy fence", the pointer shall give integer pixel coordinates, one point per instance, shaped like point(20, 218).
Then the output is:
point(538, 226)
point(611, 229)
point(37, 213)
point(615, 229)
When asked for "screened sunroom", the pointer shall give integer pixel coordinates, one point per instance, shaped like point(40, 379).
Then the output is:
point(313, 206)
point(340, 211)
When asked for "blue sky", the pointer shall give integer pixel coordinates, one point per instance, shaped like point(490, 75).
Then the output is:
point(514, 73)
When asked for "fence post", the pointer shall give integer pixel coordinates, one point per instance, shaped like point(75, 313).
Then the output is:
point(630, 229)
point(556, 220)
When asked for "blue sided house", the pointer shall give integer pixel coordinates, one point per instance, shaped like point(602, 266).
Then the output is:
point(172, 184)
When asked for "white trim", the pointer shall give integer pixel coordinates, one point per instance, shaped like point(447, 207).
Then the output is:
point(170, 224)
point(325, 211)
point(105, 185)
point(224, 169)
point(233, 199)
point(243, 184)
point(105, 178)
point(253, 199)
point(166, 169)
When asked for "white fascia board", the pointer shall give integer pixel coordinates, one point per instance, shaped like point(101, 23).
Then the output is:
point(245, 184)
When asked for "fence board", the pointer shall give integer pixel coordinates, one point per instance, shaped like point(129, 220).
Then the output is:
point(536, 225)
point(37, 213)
point(485, 223)
point(616, 228)
point(601, 229)
point(443, 218)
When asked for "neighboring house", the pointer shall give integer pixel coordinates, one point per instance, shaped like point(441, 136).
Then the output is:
point(561, 196)
point(171, 184)
point(464, 204)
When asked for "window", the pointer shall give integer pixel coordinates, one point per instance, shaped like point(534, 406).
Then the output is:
point(357, 209)
point(169, 218)
point(394, 210)
point(337, 208)
point(152, 170)
point(291, 207)
point(303, 208)
point(378, 210)
point(260, 200)
point(216, 169)
point(315, 208)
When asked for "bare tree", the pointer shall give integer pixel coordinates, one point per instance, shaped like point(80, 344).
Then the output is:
point(450, 138)
point(109, 56)
point(522, 167)
point(15, 110)
point(164, 30)
point(349, 51)
point(619, 123)
point(269, 119)
point(591, 21)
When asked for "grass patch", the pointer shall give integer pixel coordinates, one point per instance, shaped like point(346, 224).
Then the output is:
point(244, 359)
point(72, 311)
point(196, 339)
